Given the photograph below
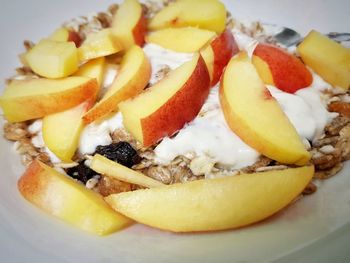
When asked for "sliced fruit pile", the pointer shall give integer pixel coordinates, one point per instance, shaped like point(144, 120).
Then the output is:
point(67, 97)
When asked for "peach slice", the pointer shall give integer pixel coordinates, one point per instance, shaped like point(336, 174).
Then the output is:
point(60, 35)
point(61, 131)
point(31, 99)
point(327, 58)
point(186, 39)
point(100, 44)
point(256, 117)
point(66, 35)
point(65, 198)
point(132, 78)
point(218, 54)
point(102, 165)
point(279, 68)
point(53, 59)
point(93, 69)
point(165, 107)
point(214, 204)
point(129, 24)
point(206, 14)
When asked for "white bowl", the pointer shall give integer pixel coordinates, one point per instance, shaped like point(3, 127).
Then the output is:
point(315, 229)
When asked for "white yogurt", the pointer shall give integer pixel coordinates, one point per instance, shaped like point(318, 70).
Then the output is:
point(38, 141)
point(98, 133)
point(245, 42)
point(305, 109)
point(110, 74)
point(35, 127)
point(297, 110)
point(208, 135)
point(319, 111)
point(160, 57)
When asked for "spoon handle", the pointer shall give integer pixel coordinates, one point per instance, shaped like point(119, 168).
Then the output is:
point(339, 37)
point(290, 37)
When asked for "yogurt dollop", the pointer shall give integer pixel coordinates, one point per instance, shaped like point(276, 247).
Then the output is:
point(99, 133)
point(305, 109)
point(160, 57)
point(38, 141)
point(208, 135)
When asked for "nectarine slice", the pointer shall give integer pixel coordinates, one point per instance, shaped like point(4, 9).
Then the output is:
point(65, 198)
point(93, 69)
point(206, 14)
point(214, 204)
point(100, 44)
point(53, 59)
point(165, 107)
point(129, 24)
point(218, 54)
point(186, 39)
point(283, 70)
point(327, 58)
point(256, 117)
point(102, 165)
point(31, 99)
point(61, 131)
point(132, 78)
point(66, 35)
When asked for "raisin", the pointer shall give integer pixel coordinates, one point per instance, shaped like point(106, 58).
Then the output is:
point(121, 152)
point(81, 172)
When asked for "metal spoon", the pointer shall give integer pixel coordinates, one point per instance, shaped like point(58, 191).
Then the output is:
point(289, 37)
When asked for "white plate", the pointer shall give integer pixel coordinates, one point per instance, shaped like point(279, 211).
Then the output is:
point(316, 229)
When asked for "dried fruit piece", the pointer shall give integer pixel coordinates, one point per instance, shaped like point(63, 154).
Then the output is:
point(121, 152)
point(81, 172)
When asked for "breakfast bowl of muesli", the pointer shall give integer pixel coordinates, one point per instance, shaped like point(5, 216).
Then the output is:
point(168, 125)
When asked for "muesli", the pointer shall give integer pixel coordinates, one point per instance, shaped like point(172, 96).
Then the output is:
point(194, 139)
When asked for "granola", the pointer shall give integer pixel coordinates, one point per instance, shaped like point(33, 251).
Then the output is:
point(328, 152)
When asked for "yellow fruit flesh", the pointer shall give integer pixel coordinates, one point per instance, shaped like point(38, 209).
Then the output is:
point(208, 56)
point(63, 197)
point(263, 70)
point(153, 98)
point(60, 34)
point(53, 59)
point(100, 44)
point(256, 117)
point(327, 58)
point(132, 78)
point(132, 62)
point(35, 87)
point(61, 131)
point(113, 169)
point(93, 69)
point(125, 19)
point(215, 204)
point(187, 39)
point(29, 99)
point(205, 14)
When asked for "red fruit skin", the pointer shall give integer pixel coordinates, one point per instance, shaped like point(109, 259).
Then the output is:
point(139, 30)
point(181, 108)
point(288, 72)
point(74, 37)
point(224, 47)
point(267, 94)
